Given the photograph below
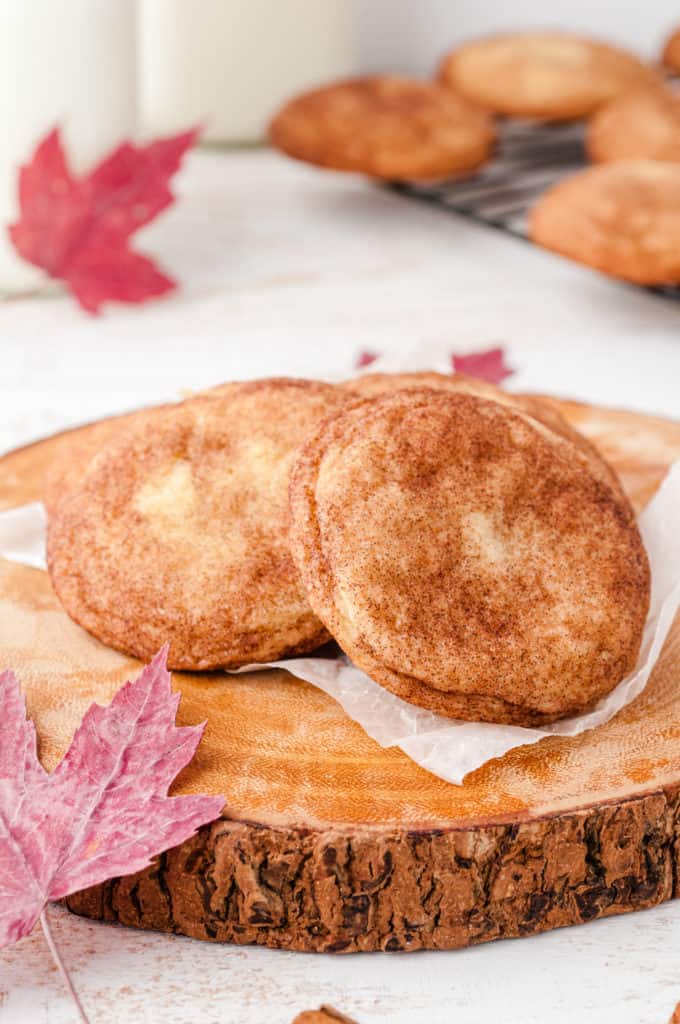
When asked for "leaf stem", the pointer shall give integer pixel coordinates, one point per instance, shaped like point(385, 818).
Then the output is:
point(66, 977)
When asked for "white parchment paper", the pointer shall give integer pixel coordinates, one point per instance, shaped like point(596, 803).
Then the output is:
point(448, 748)
point(22, 535)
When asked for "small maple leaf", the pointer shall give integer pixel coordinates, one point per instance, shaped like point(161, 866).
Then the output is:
point(365, 358)
point(104, 811)
point(78, 229)
point(487, 365)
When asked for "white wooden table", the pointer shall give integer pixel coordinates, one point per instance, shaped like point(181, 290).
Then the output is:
point(290, 271)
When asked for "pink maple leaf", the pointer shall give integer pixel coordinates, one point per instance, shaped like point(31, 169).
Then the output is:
point(105, 810)
point(365, 358)
point(78, 229)
point(488, 365)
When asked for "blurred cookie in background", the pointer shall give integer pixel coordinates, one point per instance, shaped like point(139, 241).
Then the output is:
point(671, 52)
point(552, 76)
point(622, 218)
point(386, 127)
point(644, 124)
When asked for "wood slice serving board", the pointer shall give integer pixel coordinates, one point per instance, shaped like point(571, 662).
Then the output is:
point(330, 843)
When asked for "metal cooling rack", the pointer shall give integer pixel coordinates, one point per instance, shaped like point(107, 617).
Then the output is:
point(530, 159)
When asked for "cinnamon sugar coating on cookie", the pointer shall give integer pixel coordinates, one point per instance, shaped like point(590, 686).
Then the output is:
point(77, 452)
point(622, 218)
point(372, 384)
point(178, 531)
point(553, 76)
point(386, 127)
point(67, 469)
point(465, 561)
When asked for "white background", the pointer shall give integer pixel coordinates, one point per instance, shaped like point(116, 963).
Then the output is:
point(287, 270)
point(411, 35)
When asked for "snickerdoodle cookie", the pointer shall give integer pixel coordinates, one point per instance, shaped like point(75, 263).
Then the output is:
point(639, 125)
point(386, 127)
point(622, 218)
point(464, 560)
point(371, 384)
point(81, 445)
point(671, 52)
point(178, 531)
point(554, 76)
point(66, 470)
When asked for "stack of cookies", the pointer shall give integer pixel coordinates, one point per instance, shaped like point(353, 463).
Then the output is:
point(466, 548)
point(621, 218)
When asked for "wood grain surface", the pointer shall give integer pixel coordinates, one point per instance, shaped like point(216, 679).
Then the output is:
point(330, 843)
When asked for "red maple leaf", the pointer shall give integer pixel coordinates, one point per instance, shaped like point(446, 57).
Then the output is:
point(365, 358)
point(104, 811)
point(78, 229)
point(487, 365)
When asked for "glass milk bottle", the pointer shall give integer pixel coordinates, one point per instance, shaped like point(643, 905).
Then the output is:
point(228, 64)
point(66, 63)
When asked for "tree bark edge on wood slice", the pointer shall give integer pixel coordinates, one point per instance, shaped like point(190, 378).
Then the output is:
point(365, 887)
point(346, 891)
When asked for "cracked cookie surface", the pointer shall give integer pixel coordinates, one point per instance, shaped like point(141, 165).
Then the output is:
point(178, 531)
point(466, 561)
point(372, 384)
